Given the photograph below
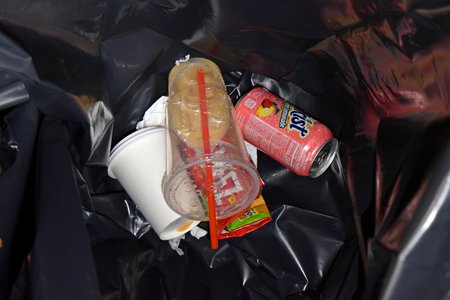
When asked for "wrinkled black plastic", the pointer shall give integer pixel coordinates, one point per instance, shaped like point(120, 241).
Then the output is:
point(76, 76)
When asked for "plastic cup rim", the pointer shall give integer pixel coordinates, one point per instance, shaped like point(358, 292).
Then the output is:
point(128, 140)
point(241, 163)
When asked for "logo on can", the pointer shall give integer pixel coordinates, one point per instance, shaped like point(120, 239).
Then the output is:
point(295, 120)
point(285, 133)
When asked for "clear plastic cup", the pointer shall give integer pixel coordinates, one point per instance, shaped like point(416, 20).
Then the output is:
point(185, 186)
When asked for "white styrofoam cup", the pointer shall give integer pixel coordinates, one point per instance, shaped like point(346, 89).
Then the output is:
point(139, 162)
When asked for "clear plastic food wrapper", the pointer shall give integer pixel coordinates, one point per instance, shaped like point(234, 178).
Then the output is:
point(205, 137)
point(249, 220)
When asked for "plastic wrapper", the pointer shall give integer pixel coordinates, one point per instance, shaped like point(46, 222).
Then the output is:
point(374, 225)
point(250, 220)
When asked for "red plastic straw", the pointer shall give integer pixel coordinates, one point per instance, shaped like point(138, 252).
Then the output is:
point(208, 164)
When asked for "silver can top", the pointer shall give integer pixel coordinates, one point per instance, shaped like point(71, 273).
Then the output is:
point(324, 158)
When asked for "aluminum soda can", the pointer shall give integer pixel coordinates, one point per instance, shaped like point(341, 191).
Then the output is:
point(285, 133)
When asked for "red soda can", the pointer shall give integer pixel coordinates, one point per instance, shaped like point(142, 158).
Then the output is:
point(285, 133)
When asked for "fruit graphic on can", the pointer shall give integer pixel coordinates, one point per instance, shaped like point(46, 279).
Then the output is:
point(285, 133)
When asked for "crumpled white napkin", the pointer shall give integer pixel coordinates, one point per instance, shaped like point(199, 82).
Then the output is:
point(155, 115)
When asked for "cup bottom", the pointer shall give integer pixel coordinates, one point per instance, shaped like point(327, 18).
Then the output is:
point(235, 185)
point(177, 228)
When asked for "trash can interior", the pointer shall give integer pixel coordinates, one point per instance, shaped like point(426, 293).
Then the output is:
point(76, 77)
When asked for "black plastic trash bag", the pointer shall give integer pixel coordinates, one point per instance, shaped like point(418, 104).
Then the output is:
point(76, 77)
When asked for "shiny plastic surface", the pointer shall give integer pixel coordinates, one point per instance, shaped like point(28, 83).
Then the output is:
point(204, 137)
point(375, 72)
